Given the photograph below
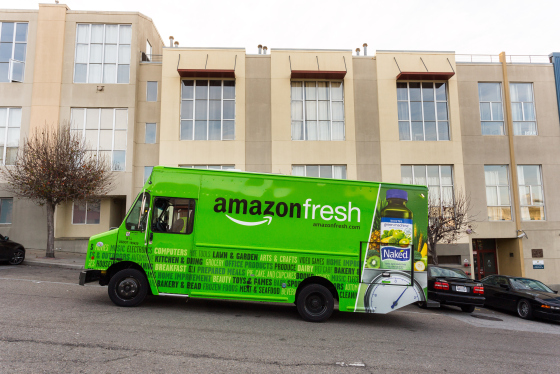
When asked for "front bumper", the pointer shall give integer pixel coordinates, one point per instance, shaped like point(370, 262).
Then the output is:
point(554, 316)
point(88, 276)
point(455, 299)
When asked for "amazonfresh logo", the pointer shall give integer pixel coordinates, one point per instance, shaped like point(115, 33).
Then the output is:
point(269, 209)
point(393, 253)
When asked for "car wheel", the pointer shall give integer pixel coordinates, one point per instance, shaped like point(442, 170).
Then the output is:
point(128, 287)
point(18, 257)
point(467, 308)
point(524, 309)
point(315, 303)
point(422, 305)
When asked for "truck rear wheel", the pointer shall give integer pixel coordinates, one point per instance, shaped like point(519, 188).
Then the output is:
point(128, 287)
point(315, 303)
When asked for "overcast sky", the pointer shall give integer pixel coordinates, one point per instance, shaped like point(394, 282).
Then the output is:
point(518, 27)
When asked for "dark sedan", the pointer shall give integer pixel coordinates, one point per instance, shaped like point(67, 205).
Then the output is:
point(527, 297)
point(11, 251)
point(451, 286)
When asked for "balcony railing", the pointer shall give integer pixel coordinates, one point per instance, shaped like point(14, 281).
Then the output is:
point(510, 59)
point(144, 57)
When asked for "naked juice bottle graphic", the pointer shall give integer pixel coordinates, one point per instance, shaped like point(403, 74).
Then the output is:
point(396, 232)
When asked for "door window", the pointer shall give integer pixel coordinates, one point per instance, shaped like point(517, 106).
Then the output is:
point(136, 220)
point(173, 215)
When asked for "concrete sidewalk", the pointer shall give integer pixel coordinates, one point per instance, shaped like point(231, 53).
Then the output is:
point(68, 260)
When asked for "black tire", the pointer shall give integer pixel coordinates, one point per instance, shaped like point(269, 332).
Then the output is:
point(422, 305)
point(17, 257)
point(315, 303)
point(467, 308)
point(128, 287)
point(524, 309)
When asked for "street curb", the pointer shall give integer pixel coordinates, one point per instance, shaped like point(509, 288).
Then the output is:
point(53, 264)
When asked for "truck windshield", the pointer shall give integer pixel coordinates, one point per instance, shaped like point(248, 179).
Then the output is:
point(136, 220)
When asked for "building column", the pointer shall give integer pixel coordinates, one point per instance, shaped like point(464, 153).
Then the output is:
point(47, 74)
point(518, 245)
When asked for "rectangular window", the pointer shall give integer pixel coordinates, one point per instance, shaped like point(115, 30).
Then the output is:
point(148, 50)
point(151, 91)
point(13, 50)
point(320, 171)
point(102, 53)
point(86, 212)
point(531, 192)
point(210, 167)
point(10, 125)
point(422, 111)
point(173, 215)
point(147, 172)
point(438, 178)
point(523, 109)
point(6, 208)
point(207, 110)
point(105, 131)
point(150, 133)
point(491, 108)
point(497, 192)
point(317, 110)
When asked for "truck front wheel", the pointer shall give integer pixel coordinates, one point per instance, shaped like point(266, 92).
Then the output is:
point(315, 303)
point(128, 287)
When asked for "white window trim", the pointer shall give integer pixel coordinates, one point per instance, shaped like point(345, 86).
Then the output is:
point(12, 59)
point(319, 166)
point(102, 53)
point(531, 192)
point(114, 129)
point(208, 110)
point(85, 220)
point(523, 109)
point(497, 187)
point(437, 121)
point(440, 185)
point(304, 112)
point(492, 110)
point(5, 146)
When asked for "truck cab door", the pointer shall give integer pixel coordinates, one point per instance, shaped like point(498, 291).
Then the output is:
point(170, 242)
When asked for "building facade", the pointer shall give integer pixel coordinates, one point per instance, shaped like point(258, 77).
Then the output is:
point(484, 126)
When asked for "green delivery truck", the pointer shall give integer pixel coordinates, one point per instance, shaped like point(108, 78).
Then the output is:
point(264, 237)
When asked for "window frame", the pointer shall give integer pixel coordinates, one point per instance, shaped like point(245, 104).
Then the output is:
point(531, 84)
point(498, 194)
point(440, 185)
point(2, 199)
point(305, 166)
point(5, 145)
point(114, 130)
point(85, 216)
point(436, 119)
point(331, 120)
point(209, 167)
point(521, 205)
point(103, 63)
point(146, 132)
point(208, 100)
point(503, 121)
point(189, 230)
point(148, 91)
point(12, 59)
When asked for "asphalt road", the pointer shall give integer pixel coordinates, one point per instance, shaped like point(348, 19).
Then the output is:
point(50, 324)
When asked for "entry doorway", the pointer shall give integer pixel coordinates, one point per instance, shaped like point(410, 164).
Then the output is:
point(484, 257)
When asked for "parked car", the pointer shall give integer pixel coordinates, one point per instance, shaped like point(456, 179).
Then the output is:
point(451, 286)
point(11, 251)
point(527, 297)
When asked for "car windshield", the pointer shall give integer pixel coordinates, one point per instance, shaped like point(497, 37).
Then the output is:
point(529, 284)
point(451, 273)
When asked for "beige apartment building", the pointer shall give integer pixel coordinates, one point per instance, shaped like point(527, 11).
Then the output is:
point(486, 126)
